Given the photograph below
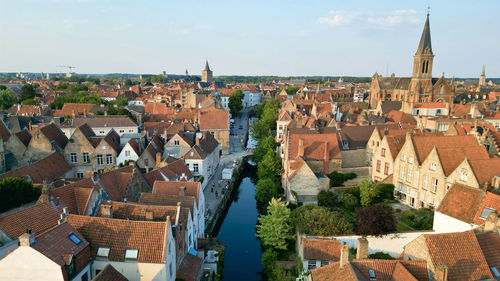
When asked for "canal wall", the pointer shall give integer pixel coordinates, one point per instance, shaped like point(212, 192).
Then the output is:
point(217, 218)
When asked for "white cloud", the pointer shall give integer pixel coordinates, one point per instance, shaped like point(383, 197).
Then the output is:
point(370, 19)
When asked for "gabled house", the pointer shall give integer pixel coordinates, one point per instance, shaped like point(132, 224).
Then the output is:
point(59, 253)
point(215, 122)
point(174, 170)
point(102, 124)
point(106, 151)
point(45, 141)
point(152, 155)
point(178, 145)
point(140, 250)
point(316, 253)
point(301, 183)
point(17, 144)
point(130, 152)
point(203, 158)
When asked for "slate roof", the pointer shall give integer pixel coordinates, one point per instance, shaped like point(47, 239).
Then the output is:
point(4, 131)
point(24, 136)
point(425, 39)
point(388, 106)
point(490, 245)
point(50, 168)
point(149, 238)
point(394, 83)
point(39, 218)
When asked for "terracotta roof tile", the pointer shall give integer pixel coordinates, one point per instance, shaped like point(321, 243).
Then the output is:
point(50, 168)
point(322, 249)
point(485, 169)
point(314, 146)
point(39, 218)
point(167, 200)
point(189, 268)
point(385, 269)
point(174, 187)
point(491, 200)
point(148, 237)
point(109, 273)
point(137, 212)
point(461, 202)
point(424, 144)
point(214, 119)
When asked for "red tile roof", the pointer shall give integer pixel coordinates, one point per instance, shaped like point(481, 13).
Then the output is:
point(174, 187)
point(189, 268)
point(322, 249)
point(137, 212)
point(213, 119)
point(39, 218)
point(461, 202)
point(314, 146)
point(109, 273)
point(424, 144)
point(149, 238)
point(485, 169)
point(491, 200)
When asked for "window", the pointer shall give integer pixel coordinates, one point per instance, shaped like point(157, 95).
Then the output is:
point(410, 160)
point(402, 173)
point(378, 165)
point(195, 167)
point(433, 166)
point(409, 177)
point(382, 153)
point(403, 158)
point(101, 132)
point(75, 239)
point(146, 162)
point(79, 175)
point(109, 159)
point(131, 254)
point(371, 272)
point(100, 159)
point(426, 182)
point(412, 202)
point(464, 176)
point(311, 264)
point(103, 252)
point(122, 131)
point(85, 277)
point(448, 186)
point(130, 131)
point(127, 153)
point(486, 212)
point(85, 157)
point(176, 142)
point(434, 185)
point(386, 169)
point(73, 158)
point(323, 263)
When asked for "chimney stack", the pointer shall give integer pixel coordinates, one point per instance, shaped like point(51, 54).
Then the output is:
point(344, 255)
point(441, 272)
point(362, 251)
point(27, 239)
point(326, 159)
point(182, 191)
point(158, 158)
point(149, 215)
point(491, 221)
point(301, 148)
point(107, 211)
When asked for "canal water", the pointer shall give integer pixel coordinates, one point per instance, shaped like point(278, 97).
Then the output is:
point(242, 259)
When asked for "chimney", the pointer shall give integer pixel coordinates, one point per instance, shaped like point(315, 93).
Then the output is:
point(158, 157)
point(73, 113)
point(182, 191)
point(337, 126)
point(27, 239)
point(30, 126)
point(64, 215)
point(326, 159)
point(165, 134)
point(107, 211)
point(301, 148)
point(441, 273)
point(149, 215)
point(362, 251)
point(105, 113)
point(344, 255)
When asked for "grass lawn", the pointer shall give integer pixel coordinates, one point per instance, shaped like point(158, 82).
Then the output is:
point(400, 227)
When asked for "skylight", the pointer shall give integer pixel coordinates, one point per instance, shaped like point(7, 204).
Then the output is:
point(486, 212)
point(495, 272)
point(371, 272)
point(131, 254)
point(103, 252)
point(75, 239)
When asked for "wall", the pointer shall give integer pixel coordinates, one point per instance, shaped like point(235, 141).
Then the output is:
point(26, 263)
point(122, 158)
point(134, 271)
point(15, 146)
point(444, 224)
point(354, 158)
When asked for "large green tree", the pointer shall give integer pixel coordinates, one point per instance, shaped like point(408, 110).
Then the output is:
point(369, 191)
point(263, 147)
point(7, 99)
point(274, 229)
point(269, 167)
point(27, 92)
point(15, 192)
point(236, 102)
point(266, 190)
point(268, 115)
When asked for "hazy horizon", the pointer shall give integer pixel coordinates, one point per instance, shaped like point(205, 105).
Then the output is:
point(258, 38)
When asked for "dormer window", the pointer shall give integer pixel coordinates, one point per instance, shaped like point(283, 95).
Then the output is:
point(371, 273)
point(131, 254)
point(486, 212)
point(103, 252)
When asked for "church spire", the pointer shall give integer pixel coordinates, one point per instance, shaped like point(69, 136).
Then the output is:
point(483, 72)
point(425, 40)
point(206, 66)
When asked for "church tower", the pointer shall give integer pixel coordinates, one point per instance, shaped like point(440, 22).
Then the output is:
point(421, 80)
point(206, 74)
point(482, 79)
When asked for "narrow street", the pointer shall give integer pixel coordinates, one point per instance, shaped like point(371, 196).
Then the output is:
point(236, 152)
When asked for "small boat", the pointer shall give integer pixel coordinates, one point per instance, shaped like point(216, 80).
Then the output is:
point(252, 163)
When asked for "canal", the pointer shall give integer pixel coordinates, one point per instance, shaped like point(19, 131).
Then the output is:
point(242, 259)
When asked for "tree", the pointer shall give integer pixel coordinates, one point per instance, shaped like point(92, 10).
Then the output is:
point(7, 99)
point(274, 229)
point(266, 190)
point(236, 102)
point(292, 90)
point(30, 102)
point(314, 220)
point(281, 274)
point(328, 199)
point(269, 167)
point(368, 190)
point(263, 147)
point(27, 92)
point(128, 82)
point(338, 179)
point(269, 258)
point(123, 101)
point(15, 192)
point(374, 220)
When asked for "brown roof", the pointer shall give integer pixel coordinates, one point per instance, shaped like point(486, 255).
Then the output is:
point(208, 143)
point(109, 273)
point(214, 119)
point(322, 249)
point(24, 136)
point(50, 168)
point(490, 245)
point(149, 238)
point(115, 182)
point(195, 152)
point(314, 146)
point(38, 217)
point(53, 133)
point(137, 212)
point(135, 146)
point(491, 200)
point(451, 157)
point(425, 143)
point(4, 131)
point(461, 253)
point(167, 200)
point(75, 109)
point(75, 197)
point(485, 169)
point(461, 202)
point(113, 140)
point(55, 244)
point(189, 268)
point(101, 121)
point(173, 188)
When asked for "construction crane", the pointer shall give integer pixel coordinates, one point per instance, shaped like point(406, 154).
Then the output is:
point(70, 68)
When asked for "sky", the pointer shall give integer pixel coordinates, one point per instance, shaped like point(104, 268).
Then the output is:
point(269, 37)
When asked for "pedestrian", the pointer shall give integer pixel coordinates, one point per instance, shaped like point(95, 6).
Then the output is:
point(216, 195)
point(212, 189)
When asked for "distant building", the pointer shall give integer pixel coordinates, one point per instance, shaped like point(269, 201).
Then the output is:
point(206, 74)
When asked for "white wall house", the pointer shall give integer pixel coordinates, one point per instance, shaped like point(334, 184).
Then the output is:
point(444, 224)
point(203, 159)
point(224, 102)
point(250, 99)
point(432, 110)
point(128, 153)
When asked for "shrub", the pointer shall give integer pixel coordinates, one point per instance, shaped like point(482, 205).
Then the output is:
point(314, 220)
point(380, 256)
point(338, 179)
point(375, 220)
point(15, 192)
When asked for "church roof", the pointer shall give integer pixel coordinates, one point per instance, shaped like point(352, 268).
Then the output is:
point(391, 83)
point(425, 40)
point(207, 68)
